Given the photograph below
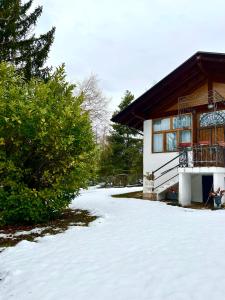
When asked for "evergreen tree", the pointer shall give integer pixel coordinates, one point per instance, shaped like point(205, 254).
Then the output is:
point(47, 148)
point(123, 152)
point(17, 44)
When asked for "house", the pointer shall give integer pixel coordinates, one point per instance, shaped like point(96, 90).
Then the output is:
point(183, 122)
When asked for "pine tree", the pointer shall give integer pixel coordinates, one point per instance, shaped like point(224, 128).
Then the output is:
point(17, 44)
point(123, 153)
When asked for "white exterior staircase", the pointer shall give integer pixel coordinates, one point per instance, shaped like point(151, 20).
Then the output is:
point(160, 190)
point(165, 177)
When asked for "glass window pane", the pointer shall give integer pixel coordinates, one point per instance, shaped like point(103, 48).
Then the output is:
point(171, 141)
point(158, 142)
point(212, 118)
point(185, 136)
point(163, 124)
point(182, 121)
point(157, 125)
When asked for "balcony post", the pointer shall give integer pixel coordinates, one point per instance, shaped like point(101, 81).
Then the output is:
point(185, 189)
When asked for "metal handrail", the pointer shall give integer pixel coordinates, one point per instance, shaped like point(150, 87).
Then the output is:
point(165, 181)
point(167, 171)
point(168, 162)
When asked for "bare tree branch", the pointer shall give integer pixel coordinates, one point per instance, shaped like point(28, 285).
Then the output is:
point(95, 103)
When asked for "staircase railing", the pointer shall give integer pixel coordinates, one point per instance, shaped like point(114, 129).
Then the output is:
point(181, 157)
point(161, 184)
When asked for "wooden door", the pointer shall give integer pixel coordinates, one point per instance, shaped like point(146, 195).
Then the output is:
point(211, 134)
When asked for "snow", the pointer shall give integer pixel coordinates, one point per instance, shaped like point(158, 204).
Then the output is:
point(137, 250)
point(22, 232)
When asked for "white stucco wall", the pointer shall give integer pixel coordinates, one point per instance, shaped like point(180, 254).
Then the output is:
point(219, 182)
point(152, 161)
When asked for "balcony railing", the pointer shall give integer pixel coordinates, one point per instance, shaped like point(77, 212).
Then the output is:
point(203, 156)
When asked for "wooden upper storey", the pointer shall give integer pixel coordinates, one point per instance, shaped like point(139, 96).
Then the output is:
point(201, 73)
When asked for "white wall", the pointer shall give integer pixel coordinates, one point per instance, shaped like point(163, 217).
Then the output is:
point(219, 182)
point(147, 146)
point(152, 161)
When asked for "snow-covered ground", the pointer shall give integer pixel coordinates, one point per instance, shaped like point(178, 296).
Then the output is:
point(137, 250)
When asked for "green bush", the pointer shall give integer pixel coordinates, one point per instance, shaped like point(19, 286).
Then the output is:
point(47, 150)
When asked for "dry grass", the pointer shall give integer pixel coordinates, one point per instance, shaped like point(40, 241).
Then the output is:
point(139, 195)
point(10, 235)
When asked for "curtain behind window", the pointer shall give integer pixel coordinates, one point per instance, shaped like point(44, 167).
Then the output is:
point(185, 136)
point(171, 141)
point(163, 124)
point(158, 142)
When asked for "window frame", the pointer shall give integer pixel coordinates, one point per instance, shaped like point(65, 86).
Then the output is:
point(171, 130)
point(182, 128)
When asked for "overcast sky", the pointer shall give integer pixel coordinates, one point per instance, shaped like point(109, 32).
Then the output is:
point(130, 44)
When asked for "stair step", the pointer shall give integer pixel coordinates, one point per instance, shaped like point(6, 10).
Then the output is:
point(166, 186)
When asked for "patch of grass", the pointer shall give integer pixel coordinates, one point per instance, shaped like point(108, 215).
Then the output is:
point(10, 235)
point(194, 205)
point(137, 195)
point(170, 202)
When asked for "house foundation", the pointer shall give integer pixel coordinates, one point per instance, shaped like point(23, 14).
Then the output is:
point(150, 196)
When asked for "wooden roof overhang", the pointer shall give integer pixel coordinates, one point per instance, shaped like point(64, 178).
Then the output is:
point(200, 68)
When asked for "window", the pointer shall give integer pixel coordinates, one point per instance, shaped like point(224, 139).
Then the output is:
point(183, 121)
point(212, 118)
point(168, 133)
point(185, 136)
point(158, 142)
point(171, 141)
point(162, 124)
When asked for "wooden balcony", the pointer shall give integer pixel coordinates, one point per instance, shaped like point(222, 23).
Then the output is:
point(203, 156)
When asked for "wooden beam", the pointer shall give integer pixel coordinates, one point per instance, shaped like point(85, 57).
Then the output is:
point(135, 123)
point(173, 98)
point(201, 68)
point(172, 91)
point(210, 84)
point(138, 116)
